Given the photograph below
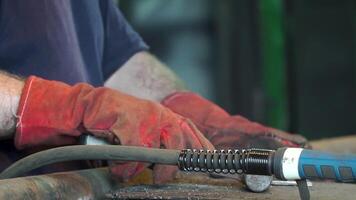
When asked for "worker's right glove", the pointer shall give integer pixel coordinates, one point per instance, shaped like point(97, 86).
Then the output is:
point(53, 113)
point(226, 131)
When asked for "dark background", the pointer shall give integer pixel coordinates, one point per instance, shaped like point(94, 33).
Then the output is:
point(290, 64)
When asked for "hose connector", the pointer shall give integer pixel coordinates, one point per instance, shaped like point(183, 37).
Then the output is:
point(246, 161)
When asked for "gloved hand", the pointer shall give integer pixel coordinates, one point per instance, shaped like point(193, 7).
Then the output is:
point(53, 113)
point(226, 131)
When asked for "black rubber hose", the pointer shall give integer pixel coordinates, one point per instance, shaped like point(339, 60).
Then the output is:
point(91, 152)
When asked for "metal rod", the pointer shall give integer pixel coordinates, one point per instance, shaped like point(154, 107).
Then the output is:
point(84, 184)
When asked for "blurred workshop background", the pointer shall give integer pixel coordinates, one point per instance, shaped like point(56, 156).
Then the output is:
point(290, 64)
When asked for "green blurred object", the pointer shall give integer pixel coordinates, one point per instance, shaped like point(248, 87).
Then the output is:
point(273, 62)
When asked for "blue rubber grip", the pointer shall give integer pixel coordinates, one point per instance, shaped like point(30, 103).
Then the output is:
point(321, 165)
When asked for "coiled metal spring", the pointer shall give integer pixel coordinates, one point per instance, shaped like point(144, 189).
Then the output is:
point(249, 161)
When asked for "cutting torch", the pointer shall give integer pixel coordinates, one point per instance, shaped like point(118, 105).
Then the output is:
point(283, 163)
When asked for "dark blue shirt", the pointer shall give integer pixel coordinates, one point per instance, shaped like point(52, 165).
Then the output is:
point(70, 41)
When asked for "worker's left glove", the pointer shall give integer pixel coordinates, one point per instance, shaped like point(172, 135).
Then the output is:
point(226, 131)
point(54, 113)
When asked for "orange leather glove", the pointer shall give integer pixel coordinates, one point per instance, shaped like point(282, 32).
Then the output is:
point(53, 113)
point(226, 131)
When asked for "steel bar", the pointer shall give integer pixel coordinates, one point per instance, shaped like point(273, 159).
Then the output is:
point(85, 184)
point(344, 144)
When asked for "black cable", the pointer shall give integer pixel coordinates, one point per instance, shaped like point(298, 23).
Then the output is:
point(249, 161)
point(91, 152)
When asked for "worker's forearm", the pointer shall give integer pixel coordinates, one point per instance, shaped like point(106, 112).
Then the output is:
point(146, 77)
point(10, 91)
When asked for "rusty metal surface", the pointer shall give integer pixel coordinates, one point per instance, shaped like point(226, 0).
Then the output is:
point(325, 191)
point(98, 184)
